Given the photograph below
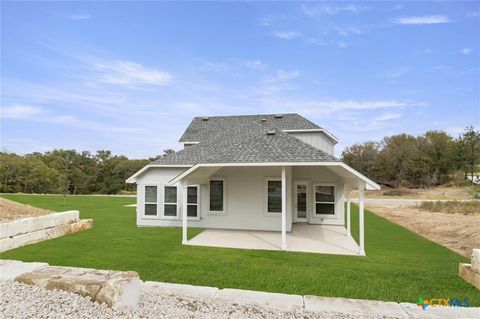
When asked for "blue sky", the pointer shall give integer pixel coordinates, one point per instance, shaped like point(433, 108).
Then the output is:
point(129, 76)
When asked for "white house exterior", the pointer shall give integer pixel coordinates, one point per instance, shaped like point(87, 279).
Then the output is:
point(258, 172)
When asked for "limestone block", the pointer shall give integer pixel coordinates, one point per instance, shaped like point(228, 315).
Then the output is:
point(29, 238)
point(355, 307)
point(466, 272)
point(416, 312)
point(83, 224)
point(40, 222)
point(9, 269)
point(6, 244)
point(57, 231)
point(265, 299)
point(113, 288)
point(476, 260)
point(13, 228)
point(185, 290)
point(67, 217)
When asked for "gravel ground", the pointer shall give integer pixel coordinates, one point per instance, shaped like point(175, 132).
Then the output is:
point(23, 301)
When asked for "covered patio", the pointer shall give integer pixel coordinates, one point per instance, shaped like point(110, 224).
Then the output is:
point(325, 239)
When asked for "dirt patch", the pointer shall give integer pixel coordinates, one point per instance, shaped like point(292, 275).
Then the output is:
point(459, 232)
point(442, 192)
point(10, 210)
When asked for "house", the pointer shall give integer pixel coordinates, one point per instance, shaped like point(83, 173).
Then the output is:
point(255, 173)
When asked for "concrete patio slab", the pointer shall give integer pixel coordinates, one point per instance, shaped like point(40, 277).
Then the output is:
point(325, 239)
point(355, 307)
point(202, 292)
point(249, 297)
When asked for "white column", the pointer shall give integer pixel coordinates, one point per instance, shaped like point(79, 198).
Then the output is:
point(183, 189)
point(284, 208)
point(361, 209)
point(348, 214)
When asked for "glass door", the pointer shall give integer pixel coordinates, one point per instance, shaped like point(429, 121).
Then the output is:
point(301, 194)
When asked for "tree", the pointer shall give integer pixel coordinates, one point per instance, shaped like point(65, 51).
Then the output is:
point(470, 149)
point(363, 157)
point(168, 151)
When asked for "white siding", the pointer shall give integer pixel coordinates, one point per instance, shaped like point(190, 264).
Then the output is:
point(316, 139)
point(245, 197)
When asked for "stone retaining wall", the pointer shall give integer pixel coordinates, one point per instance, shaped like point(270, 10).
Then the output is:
point(31, 230)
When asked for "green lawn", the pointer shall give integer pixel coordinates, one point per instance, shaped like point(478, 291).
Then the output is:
point(399, 266)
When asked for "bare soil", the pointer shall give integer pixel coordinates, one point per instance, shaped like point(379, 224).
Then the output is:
point(458, 232)
point(10, 210)
point(442, 192)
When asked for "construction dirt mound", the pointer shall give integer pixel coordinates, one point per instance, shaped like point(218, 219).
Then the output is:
point(10, 210)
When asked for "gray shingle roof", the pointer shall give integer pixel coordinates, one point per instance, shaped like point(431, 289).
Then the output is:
point(247, 142)
point(201, 130)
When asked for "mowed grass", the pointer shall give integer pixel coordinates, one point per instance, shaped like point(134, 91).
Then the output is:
point(400, 265)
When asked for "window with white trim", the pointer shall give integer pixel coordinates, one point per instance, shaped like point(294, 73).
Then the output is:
point(217, 196)
point(170, 201)
point(150, 201)
point(274, 196)
point(192, 201)
point(324, 200)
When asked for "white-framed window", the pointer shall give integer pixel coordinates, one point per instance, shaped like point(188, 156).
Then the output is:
point(170, 202)
point(324, 198)
point(273, 195)
point(151, 199)
point(193, 202)
point(216, 190)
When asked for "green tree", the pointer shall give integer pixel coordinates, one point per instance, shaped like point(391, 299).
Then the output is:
point(470, 149)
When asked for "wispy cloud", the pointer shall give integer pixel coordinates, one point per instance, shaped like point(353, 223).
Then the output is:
point(83, 16)
point(342, 44)
point(130, 74)
point(466, 51)
point(394, 72)
point(265, 22)
point(331, 9)
point(420, 20)
point(213, 67)
point(287, 35)
point(255, 64)
point(20, 111)
point(348, 30)
point(43, 115)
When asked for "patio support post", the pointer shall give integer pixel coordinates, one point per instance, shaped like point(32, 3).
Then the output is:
point(183, 189)
point(284, 208)
point(348, 214)
point(361, 209)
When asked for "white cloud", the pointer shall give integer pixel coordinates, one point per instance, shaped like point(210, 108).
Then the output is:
point(348, 30)
point(79, 16)
point(20, 111)
point(466, 51)
point(385, 117)
point(287, 35)
point(266, 22)
point(420, 20)
point(342, 44)
point(213, 67)
point(283, 75)
point(394, 73)
point(330, 9)
point(131, 74)
point(255, 64)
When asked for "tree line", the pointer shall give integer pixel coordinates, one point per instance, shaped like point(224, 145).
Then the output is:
point(68, 172)
point(433, 158)
point(400, 160)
